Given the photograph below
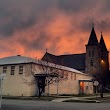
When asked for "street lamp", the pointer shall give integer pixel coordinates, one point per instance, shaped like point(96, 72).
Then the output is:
point(103, 66)
point(102, 61)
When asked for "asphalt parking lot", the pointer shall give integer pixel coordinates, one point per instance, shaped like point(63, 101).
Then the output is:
point(9, 104)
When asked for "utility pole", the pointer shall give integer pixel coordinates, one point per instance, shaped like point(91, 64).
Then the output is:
point(1, 92)
point(2, 75)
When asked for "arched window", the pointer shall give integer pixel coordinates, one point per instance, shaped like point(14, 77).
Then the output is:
point(91, 63)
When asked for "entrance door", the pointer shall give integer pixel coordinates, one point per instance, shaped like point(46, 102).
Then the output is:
point(81, 84)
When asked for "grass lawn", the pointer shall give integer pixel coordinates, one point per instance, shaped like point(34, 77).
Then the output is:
point(30, 98)
point(81, 101)
point(82, 98)
point(44, 98)
point(98, 98)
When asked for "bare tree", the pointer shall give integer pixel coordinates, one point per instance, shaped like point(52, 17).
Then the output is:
point(104, 79)
point(43, 74)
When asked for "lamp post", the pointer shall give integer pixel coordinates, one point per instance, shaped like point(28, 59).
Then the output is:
point(103, 66)
point(102, 80)
point(2, 75)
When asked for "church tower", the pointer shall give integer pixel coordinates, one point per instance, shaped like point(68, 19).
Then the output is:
point(93, 54)
point(104, 55)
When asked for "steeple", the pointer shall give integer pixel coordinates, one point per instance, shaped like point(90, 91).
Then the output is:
point(102, 43)
point(93, 38)
point(93, 52)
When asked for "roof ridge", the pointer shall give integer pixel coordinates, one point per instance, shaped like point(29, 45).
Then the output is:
point(50, 53)
point(71, 54)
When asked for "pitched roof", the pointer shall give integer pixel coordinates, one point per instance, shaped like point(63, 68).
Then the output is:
point(76, 61)
point(14, 60)
point(102, 43)
point(93, 38)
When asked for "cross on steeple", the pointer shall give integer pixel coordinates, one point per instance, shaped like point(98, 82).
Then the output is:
point(101, 32)
point(46, 49)
point(92, 25)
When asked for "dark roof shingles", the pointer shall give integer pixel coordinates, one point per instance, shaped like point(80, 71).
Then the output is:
point(75, 61)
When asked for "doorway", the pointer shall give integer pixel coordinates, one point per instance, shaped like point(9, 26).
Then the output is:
point(81, 84)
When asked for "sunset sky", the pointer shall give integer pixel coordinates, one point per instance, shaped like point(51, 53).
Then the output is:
point(28, 27)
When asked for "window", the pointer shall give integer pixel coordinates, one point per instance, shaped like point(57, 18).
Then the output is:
point(89, 54)
point(4, 69)
point(20, 69)
point(92, 53)
point(91, 63)
point(12, 70)
point(74, 76)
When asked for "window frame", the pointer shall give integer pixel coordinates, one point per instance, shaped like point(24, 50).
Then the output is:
point(4, 69)
point(21, 69)
point(12, 71)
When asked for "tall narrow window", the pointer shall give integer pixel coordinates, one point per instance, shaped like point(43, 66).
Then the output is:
point(4, 69)
point(20, 69)
point(75, 76)
point(89, 53)
point(12, 70)
point(92, 53)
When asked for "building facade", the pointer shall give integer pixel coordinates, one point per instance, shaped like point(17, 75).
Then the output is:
point(20, 81)
point(95, 60)
point(74, 71)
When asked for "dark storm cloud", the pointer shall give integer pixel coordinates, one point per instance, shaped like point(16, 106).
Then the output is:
point(39, 43)
point(101, 24)
point(76, 5)
point(106, 6)
point(104, 24)
point(21, 14)
point(16, 23)
point(11, 18)
point(33, 24)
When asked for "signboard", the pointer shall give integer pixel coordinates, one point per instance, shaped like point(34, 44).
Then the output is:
point(96, 83)
point(2, 75)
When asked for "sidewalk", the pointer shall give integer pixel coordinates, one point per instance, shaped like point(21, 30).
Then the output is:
point(86, 99)
point(83, 99)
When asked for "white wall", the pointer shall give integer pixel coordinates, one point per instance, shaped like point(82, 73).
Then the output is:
point(71, 85)
point(16, 85)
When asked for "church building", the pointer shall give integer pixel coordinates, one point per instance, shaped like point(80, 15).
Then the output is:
point(73, 71)
point(95, 60)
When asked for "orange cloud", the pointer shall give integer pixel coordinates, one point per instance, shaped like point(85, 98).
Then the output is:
point(62, 29)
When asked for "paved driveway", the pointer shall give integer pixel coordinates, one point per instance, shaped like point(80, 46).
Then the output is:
point(48, 105)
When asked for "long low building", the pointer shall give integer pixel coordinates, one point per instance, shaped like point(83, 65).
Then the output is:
point(21, 72)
